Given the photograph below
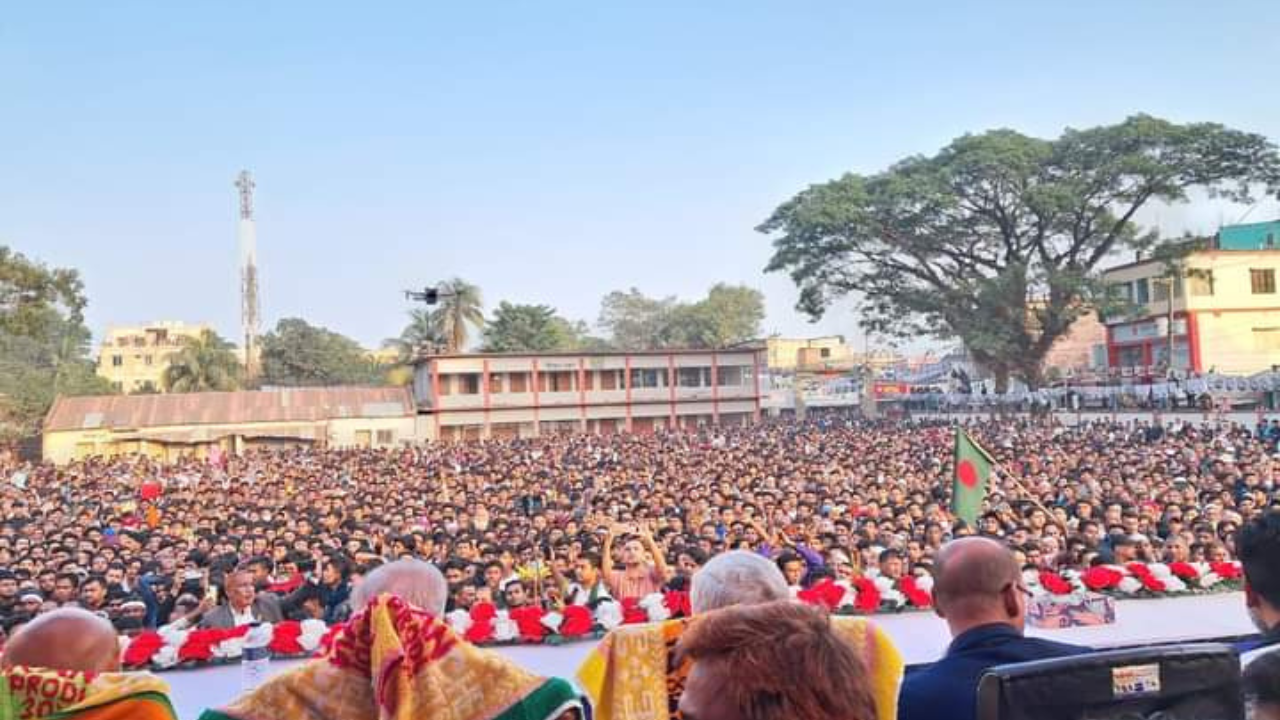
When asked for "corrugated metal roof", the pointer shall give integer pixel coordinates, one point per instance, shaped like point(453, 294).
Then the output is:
point(132, 412)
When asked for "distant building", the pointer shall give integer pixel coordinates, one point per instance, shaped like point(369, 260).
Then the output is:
point(198, 424)
point(786, 354)
point(1224, 316)
point(464, 397)
point(134, 358)
point(1081, 349)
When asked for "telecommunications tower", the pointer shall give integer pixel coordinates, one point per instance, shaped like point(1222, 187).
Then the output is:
point(248, 236)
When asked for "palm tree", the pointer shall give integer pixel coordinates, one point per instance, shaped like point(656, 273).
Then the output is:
point(460, 304)
point(422, 334)
point(206, 363)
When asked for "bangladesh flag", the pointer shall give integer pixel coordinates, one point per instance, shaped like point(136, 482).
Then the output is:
point(973, 470)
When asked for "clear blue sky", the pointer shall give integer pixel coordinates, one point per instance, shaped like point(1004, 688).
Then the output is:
point(549, 152)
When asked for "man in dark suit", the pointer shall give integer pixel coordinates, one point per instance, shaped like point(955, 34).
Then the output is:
point(245, 605)
point(978, 590)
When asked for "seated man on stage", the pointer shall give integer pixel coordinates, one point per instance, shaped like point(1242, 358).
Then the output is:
point(397, 659)
point(66, 663)
point(634, 664)
point(978, 590)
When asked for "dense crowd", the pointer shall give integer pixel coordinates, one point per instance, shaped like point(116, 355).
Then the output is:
point(573, 519)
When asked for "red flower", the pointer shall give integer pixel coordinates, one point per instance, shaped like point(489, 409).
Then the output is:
point(915, 596)
point(480, 632)
point(529, 620)
point(823, 594)
point(1152, 583)
point(1226, 570)
point(1138, 570)
point(678, 603)
point(1183, 571)
point(142, 649)
point(1054, 583)
point(1101, 578)
point(868, 595)
point(483, 611)
point(632, 613)
point(577, 621)
point(284, 638)
point(199, 644)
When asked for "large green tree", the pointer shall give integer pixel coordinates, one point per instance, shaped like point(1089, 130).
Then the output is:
point(298, 353)
point(44, 343)
point(204, 364)
point(461, 310)
point(728, 314)
point(530, 328)
point(998, 239)
point(421, 335)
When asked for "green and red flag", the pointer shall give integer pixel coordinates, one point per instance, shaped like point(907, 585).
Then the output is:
point(972, 475)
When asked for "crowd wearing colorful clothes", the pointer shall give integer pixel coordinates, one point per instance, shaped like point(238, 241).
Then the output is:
point(573, 520)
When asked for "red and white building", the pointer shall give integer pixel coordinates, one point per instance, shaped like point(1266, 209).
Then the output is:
point(1223, 316)
point(465, 397)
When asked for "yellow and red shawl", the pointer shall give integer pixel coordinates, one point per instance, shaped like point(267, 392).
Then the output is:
point(394, 661)
point(43, 694)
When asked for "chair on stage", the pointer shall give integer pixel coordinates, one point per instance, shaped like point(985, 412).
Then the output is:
point(1180, 682)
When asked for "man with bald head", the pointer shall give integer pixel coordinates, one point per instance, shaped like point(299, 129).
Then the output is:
point(978, 590)
point(418, 583)
point(65, 639)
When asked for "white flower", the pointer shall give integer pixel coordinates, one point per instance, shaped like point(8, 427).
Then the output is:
point(1173, 584)
point(313, 631)
point(1161, 571)
point(925, 583)
point(229, 648)
point(552, 621)
point(883, 584)
point(1209, 579)
point(1031, 578)
point(650, 600)
point(609, 615)
point(165, 657)
point(1130, 585)
point(893, 597)
point(657, 612)
point(504, 628)
point(176, 638)
point(459, 620)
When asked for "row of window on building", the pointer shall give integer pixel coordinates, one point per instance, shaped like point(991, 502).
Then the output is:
point(567, 380)
point(1262, 281)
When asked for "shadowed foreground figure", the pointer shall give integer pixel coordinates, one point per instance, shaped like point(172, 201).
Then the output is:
point(65, 663)
point(775, 661)
point(978, 590)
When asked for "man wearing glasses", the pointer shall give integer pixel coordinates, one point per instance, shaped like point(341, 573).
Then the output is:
point(978, 590)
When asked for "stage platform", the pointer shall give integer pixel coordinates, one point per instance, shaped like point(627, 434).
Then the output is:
point(921, 636)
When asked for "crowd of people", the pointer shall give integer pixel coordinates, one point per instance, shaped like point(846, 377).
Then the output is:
point(573, 519)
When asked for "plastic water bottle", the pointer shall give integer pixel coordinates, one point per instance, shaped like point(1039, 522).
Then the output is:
point(256, 658)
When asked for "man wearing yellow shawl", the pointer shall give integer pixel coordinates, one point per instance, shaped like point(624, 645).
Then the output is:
point(633, 673)
point(64, 665)
point(394, 661)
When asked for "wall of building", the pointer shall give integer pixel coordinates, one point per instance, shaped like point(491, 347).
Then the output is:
point(1239, 343)
point(134, 357)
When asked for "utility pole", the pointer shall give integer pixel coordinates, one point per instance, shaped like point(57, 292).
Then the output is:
point(249, 303)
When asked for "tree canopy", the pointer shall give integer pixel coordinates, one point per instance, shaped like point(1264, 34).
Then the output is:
point(298, 353)
point(204, 364)
point(461, 310)
point(728, 314)
point(44, 343)
point(998, 239)
point(530, 328)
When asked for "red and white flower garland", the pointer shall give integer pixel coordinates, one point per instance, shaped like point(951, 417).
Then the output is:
point(1138, 579)
point(485, 624)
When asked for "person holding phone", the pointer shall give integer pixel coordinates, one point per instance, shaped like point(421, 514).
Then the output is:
point(638, 577)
